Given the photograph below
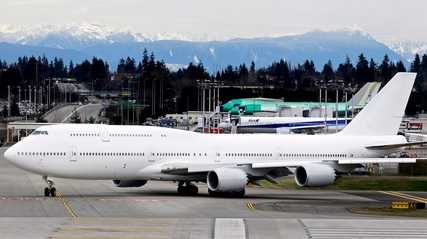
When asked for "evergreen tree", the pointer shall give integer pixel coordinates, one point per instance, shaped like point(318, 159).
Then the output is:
point(400, 67)
point(145, 60)
point(372, 70)
point(75, 118)
point(415, 65)
point(91, 120)
point(346, 70)
point(385, 70)
point(362, 70)
point(252, 73)
point(328, 72)
point(309, 67)
point(71, 68)
point(243, 73)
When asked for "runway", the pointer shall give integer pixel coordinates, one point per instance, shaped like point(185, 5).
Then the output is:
point(98, 209)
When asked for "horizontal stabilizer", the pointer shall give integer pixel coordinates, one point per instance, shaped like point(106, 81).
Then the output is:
point(394, 146)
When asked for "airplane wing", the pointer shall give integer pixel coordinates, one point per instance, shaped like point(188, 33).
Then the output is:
point(299, 129)
point(290, 163)
point(393, 146)
point(306, 128)
point(186, 169)
point(191, 169)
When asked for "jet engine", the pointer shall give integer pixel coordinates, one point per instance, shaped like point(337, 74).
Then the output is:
point(129, 183)
point(314, 175)
point(227, 180)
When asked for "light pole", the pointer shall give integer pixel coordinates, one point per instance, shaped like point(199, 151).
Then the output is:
point(336, 108)
point(203, 104)
point(8, 101)
point(29, 96)
point(41, 96)
point(326, 107)
point(35, 97)
point(19, 94)
point(209, 98)
point(320, 101)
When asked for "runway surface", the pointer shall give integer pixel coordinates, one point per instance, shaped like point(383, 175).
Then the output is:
point(98, 209)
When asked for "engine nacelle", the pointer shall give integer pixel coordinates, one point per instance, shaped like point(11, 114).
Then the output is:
point(227, 180)
point(129, 183)
point(314, 175)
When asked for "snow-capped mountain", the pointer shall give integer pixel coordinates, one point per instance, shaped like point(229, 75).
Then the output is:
point(408, 49)
point(75, 37)
point(76, 42)
point(80, 36)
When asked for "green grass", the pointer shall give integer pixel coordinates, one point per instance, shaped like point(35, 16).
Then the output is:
point(391, 212)
point(386, 183)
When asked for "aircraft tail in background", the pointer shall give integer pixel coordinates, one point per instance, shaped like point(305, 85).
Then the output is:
point(364, 95)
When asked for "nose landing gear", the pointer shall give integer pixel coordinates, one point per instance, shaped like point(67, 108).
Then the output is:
point(50, 190)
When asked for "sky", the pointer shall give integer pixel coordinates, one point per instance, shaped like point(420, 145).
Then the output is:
point(386, 20)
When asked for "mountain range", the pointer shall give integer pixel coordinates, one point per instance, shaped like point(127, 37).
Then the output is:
point(408, 49)
point(79, 42)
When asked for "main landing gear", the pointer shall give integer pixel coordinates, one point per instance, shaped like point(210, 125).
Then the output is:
point(187, 189)
point(50, 190)
point(233, 194)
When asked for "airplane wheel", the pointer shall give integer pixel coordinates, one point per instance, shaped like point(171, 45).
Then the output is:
point(46, 192)
point(213, 193)
point(53, 192)
point(193, 189)
point(239, 194)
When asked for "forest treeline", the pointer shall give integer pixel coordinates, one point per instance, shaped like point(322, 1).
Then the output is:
point(162, 90)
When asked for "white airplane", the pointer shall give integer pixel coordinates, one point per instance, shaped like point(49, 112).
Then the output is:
point(133, 155)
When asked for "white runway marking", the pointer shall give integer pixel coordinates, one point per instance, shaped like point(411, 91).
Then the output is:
point(229, 228)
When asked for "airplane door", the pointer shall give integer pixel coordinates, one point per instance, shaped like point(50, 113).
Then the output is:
point(72, 155)
point(217, 157)
point(105, 137)
point(151, 157)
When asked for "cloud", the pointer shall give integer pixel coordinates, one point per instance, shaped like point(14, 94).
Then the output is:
point(225, 18)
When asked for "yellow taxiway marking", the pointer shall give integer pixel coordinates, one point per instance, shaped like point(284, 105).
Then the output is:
point(250, 205)
point(405, 196)
point(66, 205)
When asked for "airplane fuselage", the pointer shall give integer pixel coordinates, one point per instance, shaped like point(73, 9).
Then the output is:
point(140, 152)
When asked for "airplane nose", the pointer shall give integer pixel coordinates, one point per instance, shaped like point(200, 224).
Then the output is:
point(8, 154)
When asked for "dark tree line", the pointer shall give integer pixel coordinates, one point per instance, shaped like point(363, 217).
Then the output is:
point(158, 90)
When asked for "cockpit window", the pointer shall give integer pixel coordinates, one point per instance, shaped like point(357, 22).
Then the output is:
point(37, 132)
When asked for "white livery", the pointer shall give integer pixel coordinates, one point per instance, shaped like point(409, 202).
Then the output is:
point(133, 155)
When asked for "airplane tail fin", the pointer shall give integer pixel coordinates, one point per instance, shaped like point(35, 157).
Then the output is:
point(383, 114)
point(364, 95)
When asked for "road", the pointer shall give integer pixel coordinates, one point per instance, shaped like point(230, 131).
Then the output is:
point(85, 112)
point(98, 209)
point(64, 114)
point(59, 114)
